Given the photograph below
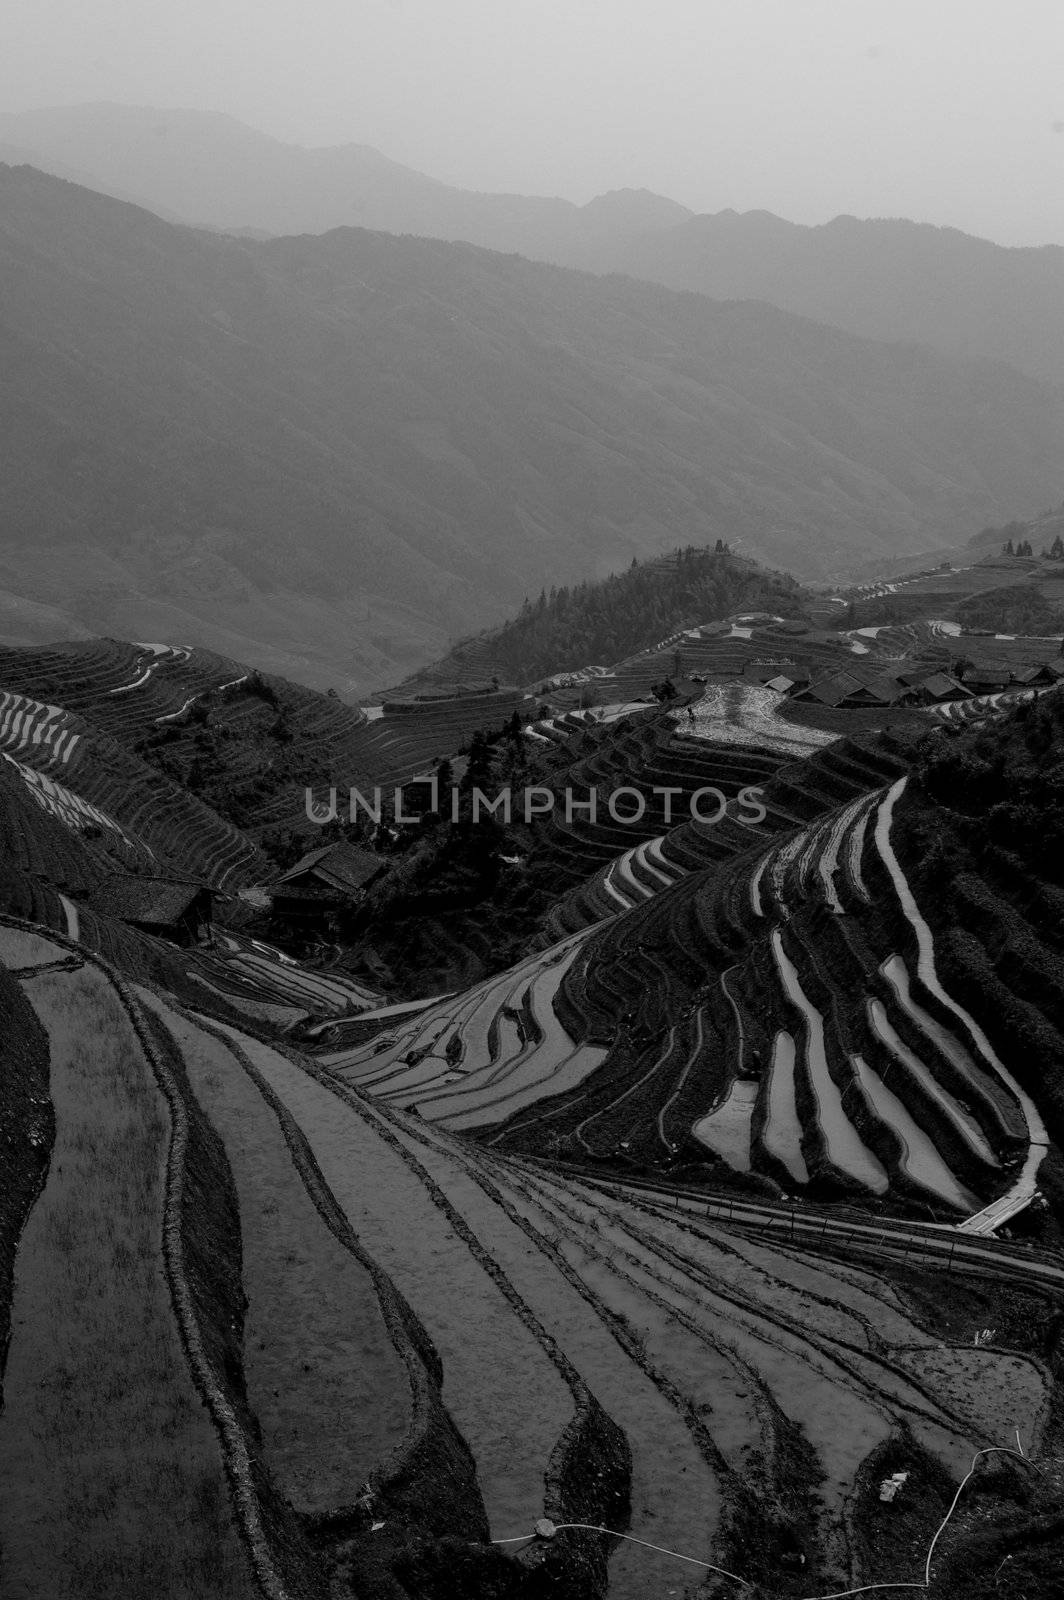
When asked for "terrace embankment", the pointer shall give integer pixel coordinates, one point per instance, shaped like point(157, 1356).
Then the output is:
point(779, 1007)
point(601, 1359)
point(89, 1372)
point(27, 1129)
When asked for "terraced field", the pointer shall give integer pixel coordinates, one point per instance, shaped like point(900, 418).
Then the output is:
point(272, 988)
point(681, 1232)
point(414, 1299)
point(788, 780)
point(181, 707)
point(87, 1372)
point(93, 785)
point(472, 1061)
point(706, 1023)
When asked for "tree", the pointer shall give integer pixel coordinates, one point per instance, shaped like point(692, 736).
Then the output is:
point(478, 763)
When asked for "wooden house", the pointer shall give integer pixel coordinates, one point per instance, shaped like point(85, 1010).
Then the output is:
point(884, 690)
point(986, 680)
point(829, 691)
point(179, 912)
point(937, 687)
point(327, 880)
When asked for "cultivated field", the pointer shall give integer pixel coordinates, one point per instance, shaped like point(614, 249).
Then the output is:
point(733, 1193)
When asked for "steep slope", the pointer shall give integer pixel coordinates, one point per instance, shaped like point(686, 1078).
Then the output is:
point(885, 278)
point(866, 1006)
point(369, 442)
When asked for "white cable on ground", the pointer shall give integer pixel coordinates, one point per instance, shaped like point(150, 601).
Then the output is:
point(545, 1529)
point(993, 1449)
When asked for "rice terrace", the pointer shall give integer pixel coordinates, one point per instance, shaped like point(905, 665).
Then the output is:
point(543, 1206)
point(532, 800)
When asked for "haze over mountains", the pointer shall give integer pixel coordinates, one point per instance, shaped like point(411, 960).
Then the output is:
point(329, 454)
point(888, 279)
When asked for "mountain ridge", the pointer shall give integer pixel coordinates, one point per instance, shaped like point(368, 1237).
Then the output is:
point(349, 448)
point(885, 277)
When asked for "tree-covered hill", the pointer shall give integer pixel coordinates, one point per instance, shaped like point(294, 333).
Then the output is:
point(600, 623)
point(1017, 608)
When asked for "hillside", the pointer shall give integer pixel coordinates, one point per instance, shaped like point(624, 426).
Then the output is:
point(615, 617)
point(712, 1180)
point(884, 278)
point(322, 456)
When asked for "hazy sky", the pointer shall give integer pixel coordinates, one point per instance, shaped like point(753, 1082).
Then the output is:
point(949, 111)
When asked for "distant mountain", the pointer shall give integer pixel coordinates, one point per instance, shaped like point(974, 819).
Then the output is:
point(327, 456)
point(886, 279)
point(211, 170)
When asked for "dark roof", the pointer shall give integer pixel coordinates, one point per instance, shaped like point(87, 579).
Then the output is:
point(305, 863)
point(158, 901)
point(828, 693)
point(343, 867)
point(882, 691)
point(833, 690)
point(1035, 674)
point(940, 686)
point(1000, 677)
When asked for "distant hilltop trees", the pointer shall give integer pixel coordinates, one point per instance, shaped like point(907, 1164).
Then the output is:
point(1023, 547)
point(1041, 536)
